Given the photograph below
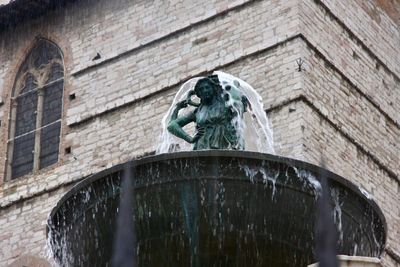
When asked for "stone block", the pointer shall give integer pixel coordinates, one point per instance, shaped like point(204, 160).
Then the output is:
point(355, 261)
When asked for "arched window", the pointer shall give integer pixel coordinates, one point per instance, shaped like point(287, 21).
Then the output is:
point(36, 111)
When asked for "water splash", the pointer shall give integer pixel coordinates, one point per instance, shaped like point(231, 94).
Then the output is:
point(169, 143)
point(50, 243)
point(355, 249)
point(309, 180)
point(268, 177)
point(254, 127)
point(54, 244)
point(337, 212)
point(365, 193)
point(378, 245)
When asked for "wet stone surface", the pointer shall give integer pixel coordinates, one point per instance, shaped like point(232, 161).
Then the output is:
point(213, 208)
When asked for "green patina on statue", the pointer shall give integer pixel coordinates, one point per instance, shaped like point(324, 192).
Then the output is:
point(216, 117)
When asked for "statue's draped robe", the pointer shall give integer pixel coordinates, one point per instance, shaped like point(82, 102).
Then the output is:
point(219, 132)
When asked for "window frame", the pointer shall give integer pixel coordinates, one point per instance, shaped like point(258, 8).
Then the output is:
point(40, 89)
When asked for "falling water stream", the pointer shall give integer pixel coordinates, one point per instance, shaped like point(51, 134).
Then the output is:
point(254, 127)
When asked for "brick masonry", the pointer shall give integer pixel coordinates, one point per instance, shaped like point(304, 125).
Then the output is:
point(344, 103)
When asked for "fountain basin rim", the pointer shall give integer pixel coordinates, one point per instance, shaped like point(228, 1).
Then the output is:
point(221, 153)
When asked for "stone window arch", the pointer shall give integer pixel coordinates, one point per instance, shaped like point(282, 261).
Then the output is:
point(36, 109)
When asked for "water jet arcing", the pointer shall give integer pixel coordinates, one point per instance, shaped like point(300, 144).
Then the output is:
point(228, 114)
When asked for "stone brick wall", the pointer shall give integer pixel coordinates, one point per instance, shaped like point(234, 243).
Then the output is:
point(344, 51)
point(352, 112)
point(375, 23)
point(344, 103)
point(149, 70)
point(23, 228)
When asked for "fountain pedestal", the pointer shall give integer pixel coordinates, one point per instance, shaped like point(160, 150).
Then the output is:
point(355, 261)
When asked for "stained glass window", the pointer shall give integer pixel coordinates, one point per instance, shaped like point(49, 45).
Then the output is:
point(36, 111)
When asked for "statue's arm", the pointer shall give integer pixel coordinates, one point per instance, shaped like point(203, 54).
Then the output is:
point(176, 123)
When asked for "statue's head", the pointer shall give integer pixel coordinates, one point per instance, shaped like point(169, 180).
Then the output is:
point(207, 88)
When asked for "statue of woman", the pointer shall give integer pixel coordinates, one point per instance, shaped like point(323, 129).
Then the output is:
point(215, 117)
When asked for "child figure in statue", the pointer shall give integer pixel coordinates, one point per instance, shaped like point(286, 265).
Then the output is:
point(218, 116)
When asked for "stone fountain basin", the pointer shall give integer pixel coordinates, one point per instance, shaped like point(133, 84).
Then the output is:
point(213, 208)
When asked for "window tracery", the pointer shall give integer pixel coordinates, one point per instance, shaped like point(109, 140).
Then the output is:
point(35, 126)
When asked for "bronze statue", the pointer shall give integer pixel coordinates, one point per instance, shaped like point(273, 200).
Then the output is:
point(217, 116)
